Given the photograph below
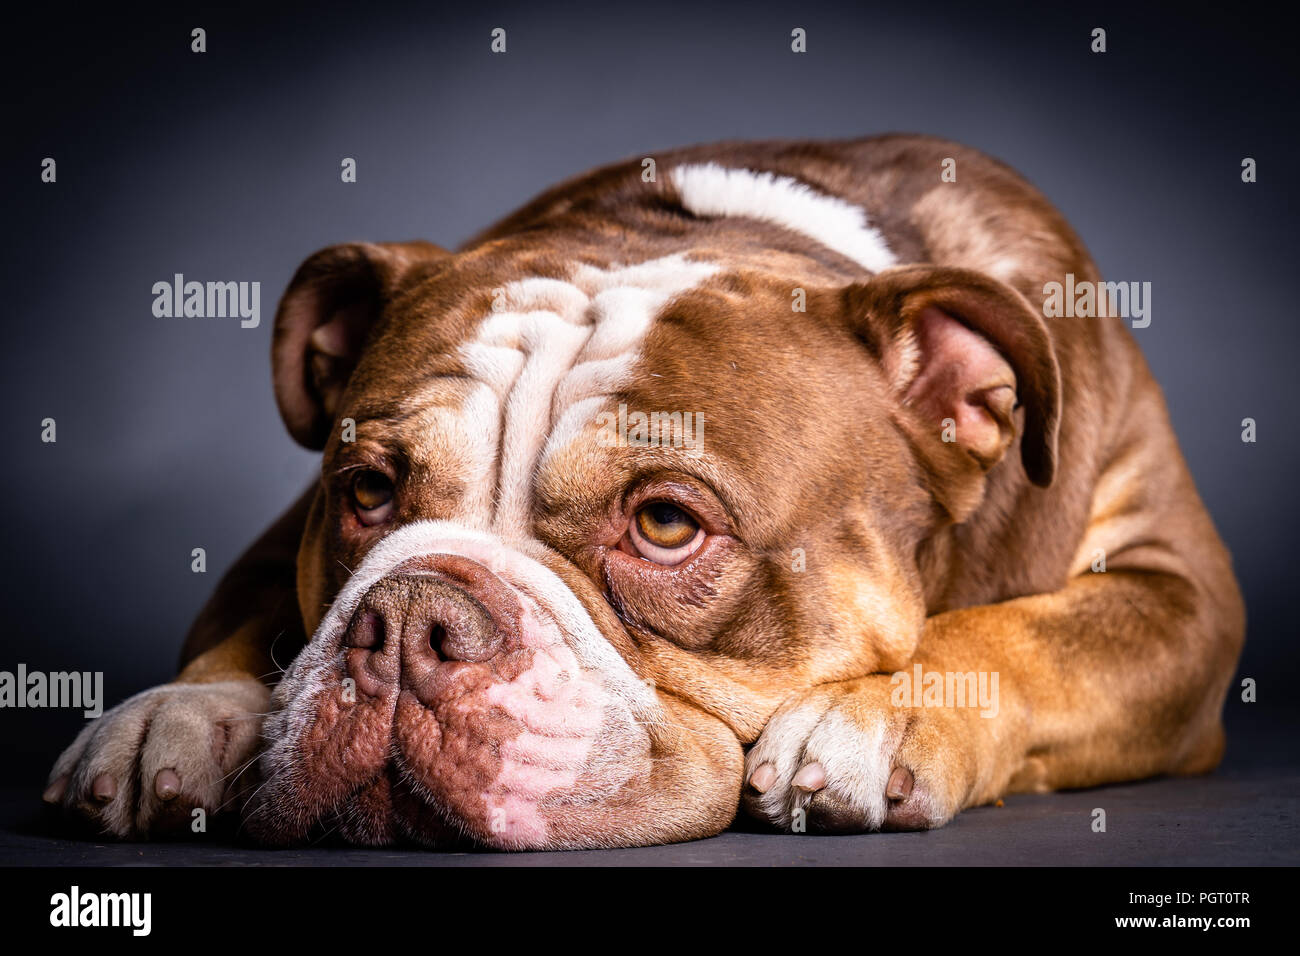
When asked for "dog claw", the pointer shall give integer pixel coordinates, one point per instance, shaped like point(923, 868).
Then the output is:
point(900, 784)
point(54, 792)
point(104, 789)
point(763, 778)
point(811, 777)
point(167, 784)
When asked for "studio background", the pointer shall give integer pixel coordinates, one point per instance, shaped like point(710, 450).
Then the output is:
point(225, 166)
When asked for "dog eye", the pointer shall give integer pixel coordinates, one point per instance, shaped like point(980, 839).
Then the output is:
point(372, 493)
point(664, 533)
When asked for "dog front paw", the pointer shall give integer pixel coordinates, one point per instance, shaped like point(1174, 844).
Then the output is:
point(145, 766)
point(842, 758)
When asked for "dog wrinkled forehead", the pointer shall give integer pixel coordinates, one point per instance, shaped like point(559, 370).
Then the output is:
point(555, 351)
point(546, 361)
point(542, 347)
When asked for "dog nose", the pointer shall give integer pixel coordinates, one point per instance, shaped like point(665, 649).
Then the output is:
point(428, 611)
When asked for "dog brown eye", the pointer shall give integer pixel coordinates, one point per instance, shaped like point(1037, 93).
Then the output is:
point(373, 493)
point(664, 533)
point(665, 525)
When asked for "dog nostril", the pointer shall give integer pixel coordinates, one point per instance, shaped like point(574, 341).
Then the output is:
point(470, 643)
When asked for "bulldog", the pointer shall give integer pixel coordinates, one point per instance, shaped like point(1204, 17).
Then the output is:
point(499, 620)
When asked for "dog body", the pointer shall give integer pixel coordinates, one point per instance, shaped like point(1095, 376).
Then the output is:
point(694, 489)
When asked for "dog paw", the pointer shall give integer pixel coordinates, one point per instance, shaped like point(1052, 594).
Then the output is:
point(144, 767)
point(842, 758)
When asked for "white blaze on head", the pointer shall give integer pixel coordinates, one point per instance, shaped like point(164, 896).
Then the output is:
point(707, 189)
point(551, 358)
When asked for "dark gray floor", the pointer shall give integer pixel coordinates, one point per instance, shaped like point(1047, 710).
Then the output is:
point(1244, 814)
point(1242, 818)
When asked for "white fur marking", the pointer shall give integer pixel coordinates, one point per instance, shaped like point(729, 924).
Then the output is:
point(554, 348)
point(707, 189)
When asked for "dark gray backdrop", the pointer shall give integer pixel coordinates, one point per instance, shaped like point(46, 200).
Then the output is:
point(225, 165)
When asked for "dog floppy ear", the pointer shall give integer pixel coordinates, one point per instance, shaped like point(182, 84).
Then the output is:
point(963, 353)
point(325, 319)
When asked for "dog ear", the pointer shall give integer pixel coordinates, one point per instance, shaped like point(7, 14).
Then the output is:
point(963, 352)
point(324, 320)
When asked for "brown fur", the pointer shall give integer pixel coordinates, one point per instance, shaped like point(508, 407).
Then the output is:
point(917, 551)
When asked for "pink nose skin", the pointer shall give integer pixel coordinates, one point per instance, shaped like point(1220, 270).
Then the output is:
point(431, 612)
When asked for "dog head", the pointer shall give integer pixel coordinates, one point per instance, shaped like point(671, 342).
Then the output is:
point(582, 525)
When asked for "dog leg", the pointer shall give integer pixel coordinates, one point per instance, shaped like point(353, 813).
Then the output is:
point(1119, 676)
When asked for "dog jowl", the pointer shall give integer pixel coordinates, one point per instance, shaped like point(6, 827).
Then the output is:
point(511, 631)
